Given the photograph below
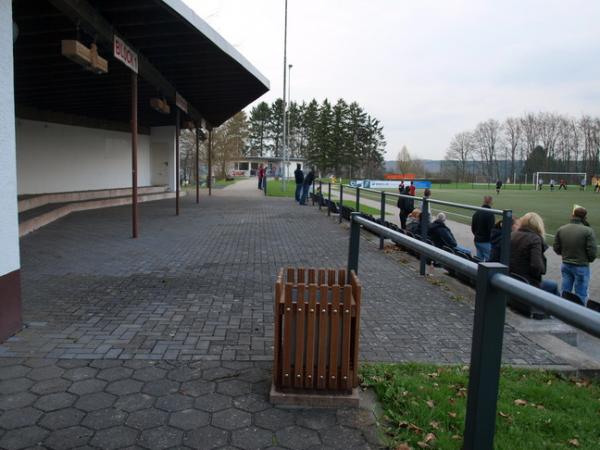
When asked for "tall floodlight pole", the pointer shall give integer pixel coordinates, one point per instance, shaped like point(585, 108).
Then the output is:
point(284, 148)
point(289, 99)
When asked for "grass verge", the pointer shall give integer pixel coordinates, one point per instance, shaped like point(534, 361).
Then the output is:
point(424, 407)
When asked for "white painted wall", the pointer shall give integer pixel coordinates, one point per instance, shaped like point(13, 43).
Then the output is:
point(162, 148)
point(60, 158)
point(9, 227)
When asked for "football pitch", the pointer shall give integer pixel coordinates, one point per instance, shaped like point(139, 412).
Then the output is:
point(554, 206)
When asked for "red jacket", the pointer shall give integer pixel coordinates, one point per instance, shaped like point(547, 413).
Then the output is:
point(261, 172)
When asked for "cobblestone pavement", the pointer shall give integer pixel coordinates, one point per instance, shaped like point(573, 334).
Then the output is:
point(110, 404)
point(199, 287)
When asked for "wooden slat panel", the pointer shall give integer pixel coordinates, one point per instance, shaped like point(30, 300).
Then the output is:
point(311, 276)
point(277, 330)
point(321, 277)
point(331, 277)
point(332, 379)
point(342, 277)
point(356, 293)
point(346, 382)
point(290, 275)
point(298, 381)
point(301, 275)
point(309, 370)
point(288, 317)
point(323, 330)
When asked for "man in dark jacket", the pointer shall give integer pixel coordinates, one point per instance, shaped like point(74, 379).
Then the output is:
point(481, 226)
point(299, 175)
point(308, 181)
point(576, 243)
point(406, 206)
point(441, 235)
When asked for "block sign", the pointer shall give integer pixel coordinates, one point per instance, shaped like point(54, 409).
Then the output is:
point(125, 54)
point(181, 102)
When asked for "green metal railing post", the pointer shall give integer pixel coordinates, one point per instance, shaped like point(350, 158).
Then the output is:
point(265, 183)
point(329, 197)
point(486, 355)
point(341, 202)
point(357, 198)
point(382, 210)
point(505, 237)
point(313, 192)
point(424, 232)
point(320, 194)
point(354, 244)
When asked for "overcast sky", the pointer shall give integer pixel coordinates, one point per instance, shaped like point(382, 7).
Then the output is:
point(428, 68)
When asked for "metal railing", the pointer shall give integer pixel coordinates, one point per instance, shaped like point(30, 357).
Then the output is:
point(506, 215)
point(493, 286)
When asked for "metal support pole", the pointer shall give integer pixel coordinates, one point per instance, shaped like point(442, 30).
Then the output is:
point(209, 183)
point(505, 238)
point(329, 197)
point(424, 232)
point(134, 164)
point(320, 194)
point(382, 210)
point(313, 192)
point(265, 183)
point(357, 199)
point(341, 202)
point(177, 130)
point(486, 353)
point(197, 168)
point(354, 245)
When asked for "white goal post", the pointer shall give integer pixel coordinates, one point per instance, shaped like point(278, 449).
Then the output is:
point(536, 177)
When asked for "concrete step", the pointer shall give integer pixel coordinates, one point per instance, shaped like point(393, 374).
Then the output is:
point(46, 214)
point(27, 202)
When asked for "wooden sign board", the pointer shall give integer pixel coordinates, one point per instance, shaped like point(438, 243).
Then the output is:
point(125, 54)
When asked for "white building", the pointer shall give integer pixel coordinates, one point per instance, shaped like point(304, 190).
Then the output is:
point(82, 139)
point(248, 166)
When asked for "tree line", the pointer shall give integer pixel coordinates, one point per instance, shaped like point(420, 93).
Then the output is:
point(523, 145)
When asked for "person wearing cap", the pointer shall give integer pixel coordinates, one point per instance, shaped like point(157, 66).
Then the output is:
point(441, 235)
point(576, 243)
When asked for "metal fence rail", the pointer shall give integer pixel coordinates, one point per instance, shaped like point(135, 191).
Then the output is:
point(493, 286)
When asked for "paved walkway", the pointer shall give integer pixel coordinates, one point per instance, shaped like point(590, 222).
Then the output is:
point(165, 341)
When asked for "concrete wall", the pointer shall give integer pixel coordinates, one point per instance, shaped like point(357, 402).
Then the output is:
point(59, 158)
point(162, 149)
point(9, 228)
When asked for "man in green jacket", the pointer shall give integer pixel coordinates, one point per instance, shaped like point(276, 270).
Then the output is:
point(576, 242)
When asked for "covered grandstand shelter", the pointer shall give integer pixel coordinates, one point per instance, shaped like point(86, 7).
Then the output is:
point(94, 95)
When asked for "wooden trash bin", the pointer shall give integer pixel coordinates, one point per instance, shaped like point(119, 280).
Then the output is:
point(316, 332)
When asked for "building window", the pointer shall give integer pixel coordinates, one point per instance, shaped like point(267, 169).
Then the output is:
point(243, 166)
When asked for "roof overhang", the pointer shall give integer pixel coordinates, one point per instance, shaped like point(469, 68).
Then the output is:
point(180, 53)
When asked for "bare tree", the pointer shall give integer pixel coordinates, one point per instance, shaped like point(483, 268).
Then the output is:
point(487, 135)
point(404, 161)
point(512, 139)
point(460, 153)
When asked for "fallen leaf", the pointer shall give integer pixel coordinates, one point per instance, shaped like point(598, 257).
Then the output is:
point(430, 437)
point(403, 425)
point(520, 402)
point(503, 414)
point(404, 446)
point(452, 414)
point(451, 401)
point(433, 375)
point(455, 437)
point(574, 442)
point(540, 407)
point(416, 429)
point(422, 444)
point(435, 425)
point(430, 403)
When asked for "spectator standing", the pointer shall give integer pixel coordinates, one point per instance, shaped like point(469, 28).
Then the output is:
point(406, 205)
point(261, 176)
point(527, 247)
point(441, 235)
point(412, 188)
point(576, 243)
point(299, 176)
point(482, 223)
point(308, 181)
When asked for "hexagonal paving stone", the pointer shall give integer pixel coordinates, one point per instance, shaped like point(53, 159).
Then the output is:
point(196, 388)
point(174, 402)
point(161, 438)
point(262, 388)
point(87, 386)
point(93, 402)
point(342, 437)
point(105, 363)
point(297, 438)
point(51, 386)
point(213, 402)
point(14, 385)
point(9, 372)
point(206, 438)
point(114, 373)
point(189, 419)
point(80, 373)
point(231, 419)
point(217, 373)
point(124, 387)
point(134, 402)
point(149, 374)
point(45, 373)
point(147, 418)
point(39, 362)
point(233, 387)
point(104, 418)
point(71, 363)
point(62, 418)
point(316, 419)
point(185, 373)
point(17, 400)
point(23, 438)
point(274, 419)
point(251, 403)
point(115, 437)
point(161, 387)
point(251, 437)
point(17, 418)
point(52, 402)
point(254, 375)
point(355, 418)
point(68, 438)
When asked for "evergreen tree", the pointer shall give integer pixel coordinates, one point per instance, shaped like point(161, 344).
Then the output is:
point(260, 117)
